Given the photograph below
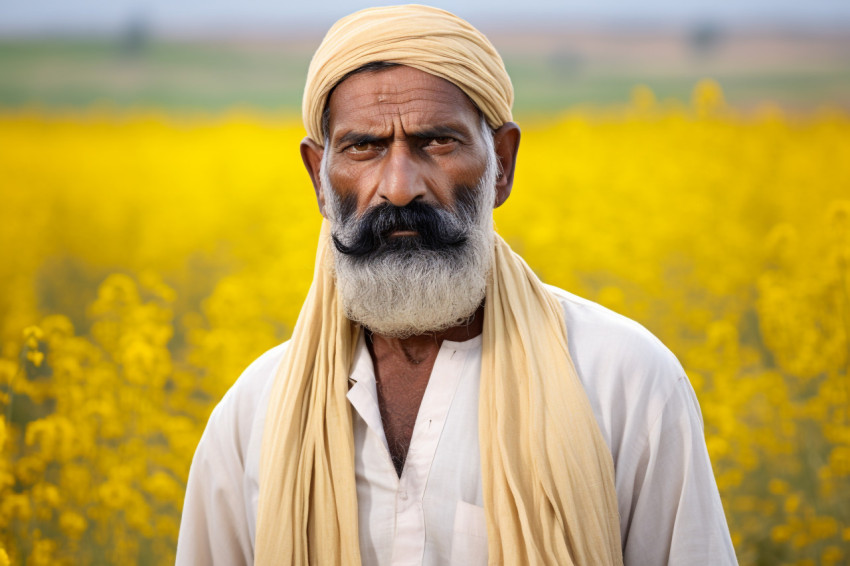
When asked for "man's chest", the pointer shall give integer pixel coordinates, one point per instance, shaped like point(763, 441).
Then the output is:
point(400, 388)
point(426, 515)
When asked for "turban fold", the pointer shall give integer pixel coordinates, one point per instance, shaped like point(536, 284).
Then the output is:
point(422, 37)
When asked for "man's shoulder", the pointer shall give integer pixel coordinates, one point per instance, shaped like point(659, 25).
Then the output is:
point(629, 375)
point(612, 336)
point(244, 403)
point(254, 382)
point(649, 416)
point(219, 511)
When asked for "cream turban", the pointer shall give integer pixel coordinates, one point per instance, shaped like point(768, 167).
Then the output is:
point(422, 37)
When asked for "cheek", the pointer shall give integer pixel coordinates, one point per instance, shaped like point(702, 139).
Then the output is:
point(352, 192)
point(467, 174)
point(468, 165)
point(349, 183)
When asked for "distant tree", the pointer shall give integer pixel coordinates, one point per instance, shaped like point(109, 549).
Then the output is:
point(704, 38)
point(135, 37)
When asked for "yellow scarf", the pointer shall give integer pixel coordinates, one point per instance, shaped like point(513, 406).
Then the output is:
point(548, 478)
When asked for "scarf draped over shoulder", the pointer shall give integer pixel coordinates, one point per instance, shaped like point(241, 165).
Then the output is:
point(548, 478)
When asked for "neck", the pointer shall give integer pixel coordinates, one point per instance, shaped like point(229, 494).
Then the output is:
point(417, 346)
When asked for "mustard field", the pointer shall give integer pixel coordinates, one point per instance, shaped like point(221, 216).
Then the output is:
point(147, 259)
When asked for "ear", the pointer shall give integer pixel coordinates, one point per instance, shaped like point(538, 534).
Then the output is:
point(311, 155)
point(506, 140)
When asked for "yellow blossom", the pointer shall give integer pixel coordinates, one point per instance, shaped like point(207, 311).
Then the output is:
point(35, 357)
point(781, 533)
point(16, 506)
point(73, 524)
point(823, 527)
point(33, 333)
point(831, 555)
point(778, 487)
point(792, 502)
point(186, 249)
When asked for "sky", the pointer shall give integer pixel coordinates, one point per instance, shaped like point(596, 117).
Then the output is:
point(176, 16)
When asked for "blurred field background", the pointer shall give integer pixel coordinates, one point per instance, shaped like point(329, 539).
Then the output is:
point(157, 234)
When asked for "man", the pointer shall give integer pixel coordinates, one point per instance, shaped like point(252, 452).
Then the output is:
point(437, 404)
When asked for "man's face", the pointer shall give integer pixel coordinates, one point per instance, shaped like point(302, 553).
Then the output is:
point(401, 135)
point(408, 180)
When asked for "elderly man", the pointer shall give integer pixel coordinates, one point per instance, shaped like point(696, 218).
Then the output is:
point(437, 404)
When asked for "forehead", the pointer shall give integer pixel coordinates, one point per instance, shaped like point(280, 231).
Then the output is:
point(379, 101)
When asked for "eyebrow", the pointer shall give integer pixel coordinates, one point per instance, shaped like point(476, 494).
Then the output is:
point(442, 131)
point(357, 137)
point(429, 132)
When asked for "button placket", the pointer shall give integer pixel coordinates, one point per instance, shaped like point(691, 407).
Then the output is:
point(409, 539)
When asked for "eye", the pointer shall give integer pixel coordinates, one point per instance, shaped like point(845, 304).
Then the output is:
point(445, 140)
point(361, 146)
point(364, 148)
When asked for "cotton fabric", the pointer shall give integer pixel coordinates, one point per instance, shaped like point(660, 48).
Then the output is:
point(548, 478)
point(422, 37)
point(433, 515)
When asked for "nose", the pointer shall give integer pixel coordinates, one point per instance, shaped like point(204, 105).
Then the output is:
point(402, 179)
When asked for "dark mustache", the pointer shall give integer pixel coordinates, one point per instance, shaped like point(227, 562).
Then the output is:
point(376, 226)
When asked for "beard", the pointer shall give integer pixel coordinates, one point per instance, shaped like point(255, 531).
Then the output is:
point(401, 286)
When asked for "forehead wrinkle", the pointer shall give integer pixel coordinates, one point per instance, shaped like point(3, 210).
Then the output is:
point(382, 119)
point(368, 97)
point(371, 83)
point(408, 123)
point(419, 102)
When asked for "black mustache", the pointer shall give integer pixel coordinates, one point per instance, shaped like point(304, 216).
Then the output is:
point(377, 225)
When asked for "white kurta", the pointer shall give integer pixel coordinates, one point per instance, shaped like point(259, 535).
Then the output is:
point(670, 510)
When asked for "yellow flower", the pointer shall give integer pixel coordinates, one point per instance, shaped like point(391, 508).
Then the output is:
point(642, 97)
point(35, 357)
point(777, 487)
point(781, 533)
point(43, 552)
point(73, 524)
point(831, 555)
point(792, 502)
point(823, 527)
point(46, 494)
point(727, 235)
point(707, 97)
point(16, 506)
point(163, 487)
point(33, 332)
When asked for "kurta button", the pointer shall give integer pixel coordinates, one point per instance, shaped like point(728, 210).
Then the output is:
point(402, 495)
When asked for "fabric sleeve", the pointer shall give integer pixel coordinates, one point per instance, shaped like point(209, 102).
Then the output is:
point(214, 527)
point(219, 510)
point(676, 514)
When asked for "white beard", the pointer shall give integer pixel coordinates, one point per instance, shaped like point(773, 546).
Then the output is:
point(404, 294)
